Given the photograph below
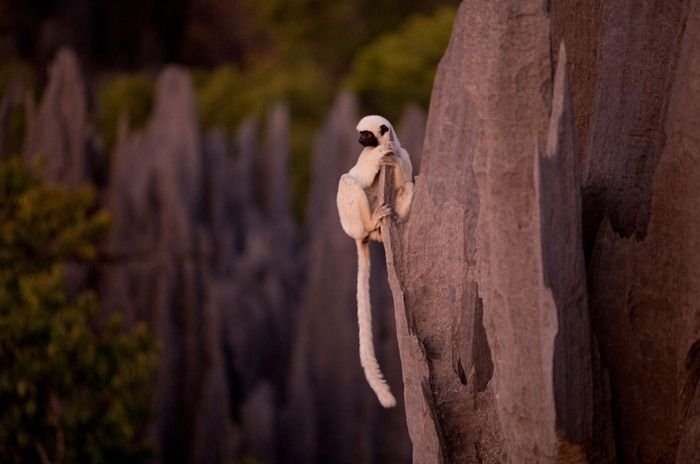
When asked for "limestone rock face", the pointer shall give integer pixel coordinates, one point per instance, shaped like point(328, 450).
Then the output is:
point(645, 259)
point(637, 128)
point(57, 133)
point(502, 321)
point(545, 283)
point(154, 196)
point(411, 128)
point(193, 254)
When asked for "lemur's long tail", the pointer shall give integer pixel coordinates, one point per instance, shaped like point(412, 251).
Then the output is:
point(364, 318)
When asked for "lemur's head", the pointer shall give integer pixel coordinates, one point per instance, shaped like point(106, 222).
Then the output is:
point(374, 131)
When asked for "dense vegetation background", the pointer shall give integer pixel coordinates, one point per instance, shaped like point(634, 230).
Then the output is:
point(73, 388)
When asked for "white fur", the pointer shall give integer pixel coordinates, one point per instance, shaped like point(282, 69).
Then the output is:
point(403, 174)
point(360, 223)
point(368, 359)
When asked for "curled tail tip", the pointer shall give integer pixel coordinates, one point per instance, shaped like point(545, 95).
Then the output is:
point(386, 399)
point(378, 384)
point(384, 395)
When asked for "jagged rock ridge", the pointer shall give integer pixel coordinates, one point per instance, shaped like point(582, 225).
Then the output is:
point(565, 236)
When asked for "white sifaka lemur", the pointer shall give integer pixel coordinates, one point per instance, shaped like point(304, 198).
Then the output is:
point(359, 221)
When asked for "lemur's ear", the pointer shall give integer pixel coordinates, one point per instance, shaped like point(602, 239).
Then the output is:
point(383, 129)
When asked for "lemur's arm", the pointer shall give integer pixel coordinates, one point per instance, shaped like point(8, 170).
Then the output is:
point(356, 217)
point(403, 180)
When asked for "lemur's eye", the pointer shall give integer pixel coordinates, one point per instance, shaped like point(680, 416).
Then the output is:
point(383, 129)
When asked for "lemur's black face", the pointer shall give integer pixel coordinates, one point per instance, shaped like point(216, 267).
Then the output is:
point(367, 139)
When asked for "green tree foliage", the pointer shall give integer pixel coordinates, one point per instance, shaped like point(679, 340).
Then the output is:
point(129, 94)
point(330, 32)
point(227, 95)
point(71, 389)
point(399, 66)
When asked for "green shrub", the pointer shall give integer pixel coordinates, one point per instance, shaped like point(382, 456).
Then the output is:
point(227, 95)
point(71, 389)
point(132, 94)
point(220, 97)
point(399, 66)
point(328, 32)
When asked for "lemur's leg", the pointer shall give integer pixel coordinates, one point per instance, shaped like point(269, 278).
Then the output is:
point(356, 218)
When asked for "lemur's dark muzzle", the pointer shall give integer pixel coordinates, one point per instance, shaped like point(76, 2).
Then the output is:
point(367, 139)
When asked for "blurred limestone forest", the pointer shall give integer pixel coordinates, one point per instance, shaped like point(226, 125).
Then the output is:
point(243, 56)
point(174, 285)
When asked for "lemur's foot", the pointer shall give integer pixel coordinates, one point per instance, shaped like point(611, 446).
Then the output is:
point(380, 213)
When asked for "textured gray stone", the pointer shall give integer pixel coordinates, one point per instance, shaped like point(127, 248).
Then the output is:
point(58, 133)
point(193, 254)
point(411, 128)
point(638, 91)
point(645, 284)
point(628, 110)
point(154, 197)
point(505, 240)
point(275, 180)
point(496, 346)
point(564, 273)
